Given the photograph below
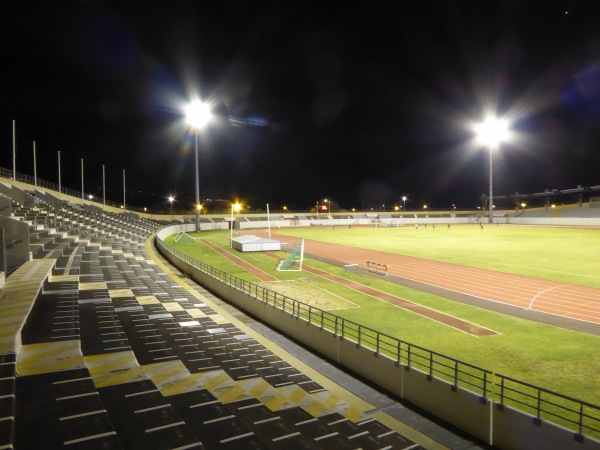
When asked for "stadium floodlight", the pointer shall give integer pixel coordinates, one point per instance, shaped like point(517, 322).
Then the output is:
point(197, 116)
point(234, 206)
point(171, 199)
point(404, 198)
point(491, 133)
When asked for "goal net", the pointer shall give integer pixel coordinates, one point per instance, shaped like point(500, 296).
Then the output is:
point(294, 261)
point(183, 238)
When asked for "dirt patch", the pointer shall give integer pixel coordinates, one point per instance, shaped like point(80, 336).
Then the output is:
point(306, 292)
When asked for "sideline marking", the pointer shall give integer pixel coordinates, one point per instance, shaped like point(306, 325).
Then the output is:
point(543, 292)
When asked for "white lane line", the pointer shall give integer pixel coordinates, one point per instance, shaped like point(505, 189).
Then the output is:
point(543, 292)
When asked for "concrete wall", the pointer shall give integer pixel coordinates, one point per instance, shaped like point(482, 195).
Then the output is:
point(2, 256)
point(5, 206)
point(557, 221)
point(515, 429)
point(16, 243)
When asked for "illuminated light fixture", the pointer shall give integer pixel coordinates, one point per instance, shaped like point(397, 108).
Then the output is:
point(197, 114)
point(491, 133)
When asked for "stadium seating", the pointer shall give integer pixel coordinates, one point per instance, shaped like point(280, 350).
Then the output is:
point(109, 352)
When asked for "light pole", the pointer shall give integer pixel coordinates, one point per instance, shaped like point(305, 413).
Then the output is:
point(197, 115)
point(404, 203)
point(171, 199)
point(491, 132)
point(236, 207)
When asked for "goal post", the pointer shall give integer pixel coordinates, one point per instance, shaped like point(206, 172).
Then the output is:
point(183, 238)
point(294, 261)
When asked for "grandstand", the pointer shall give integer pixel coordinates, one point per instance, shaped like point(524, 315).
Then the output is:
point(100, 348)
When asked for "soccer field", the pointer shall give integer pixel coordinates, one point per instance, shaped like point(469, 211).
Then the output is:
point(562, 254)
point(554, 358)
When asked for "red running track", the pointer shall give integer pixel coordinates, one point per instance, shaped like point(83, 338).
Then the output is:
point(552, 297)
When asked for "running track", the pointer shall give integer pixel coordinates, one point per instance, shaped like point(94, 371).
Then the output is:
point(561, 299)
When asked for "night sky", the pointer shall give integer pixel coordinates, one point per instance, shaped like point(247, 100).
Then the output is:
point(360, 103)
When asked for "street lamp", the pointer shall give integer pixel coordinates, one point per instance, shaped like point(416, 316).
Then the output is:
point(491, 132)
point(197, 115)
point(236, 207)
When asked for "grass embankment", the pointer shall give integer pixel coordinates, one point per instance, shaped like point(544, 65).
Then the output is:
point(557, 359)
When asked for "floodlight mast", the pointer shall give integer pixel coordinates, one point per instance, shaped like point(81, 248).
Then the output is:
point(171, 199)
point(234, 207)
point(491, 132)
point(197, 116)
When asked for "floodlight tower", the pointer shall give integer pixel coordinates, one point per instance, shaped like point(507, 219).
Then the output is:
point(491, 132)
point(171, 199)
point(197, 116)
point(234, 207)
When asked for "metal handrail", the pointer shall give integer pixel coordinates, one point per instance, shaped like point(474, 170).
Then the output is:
point(549, 405)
